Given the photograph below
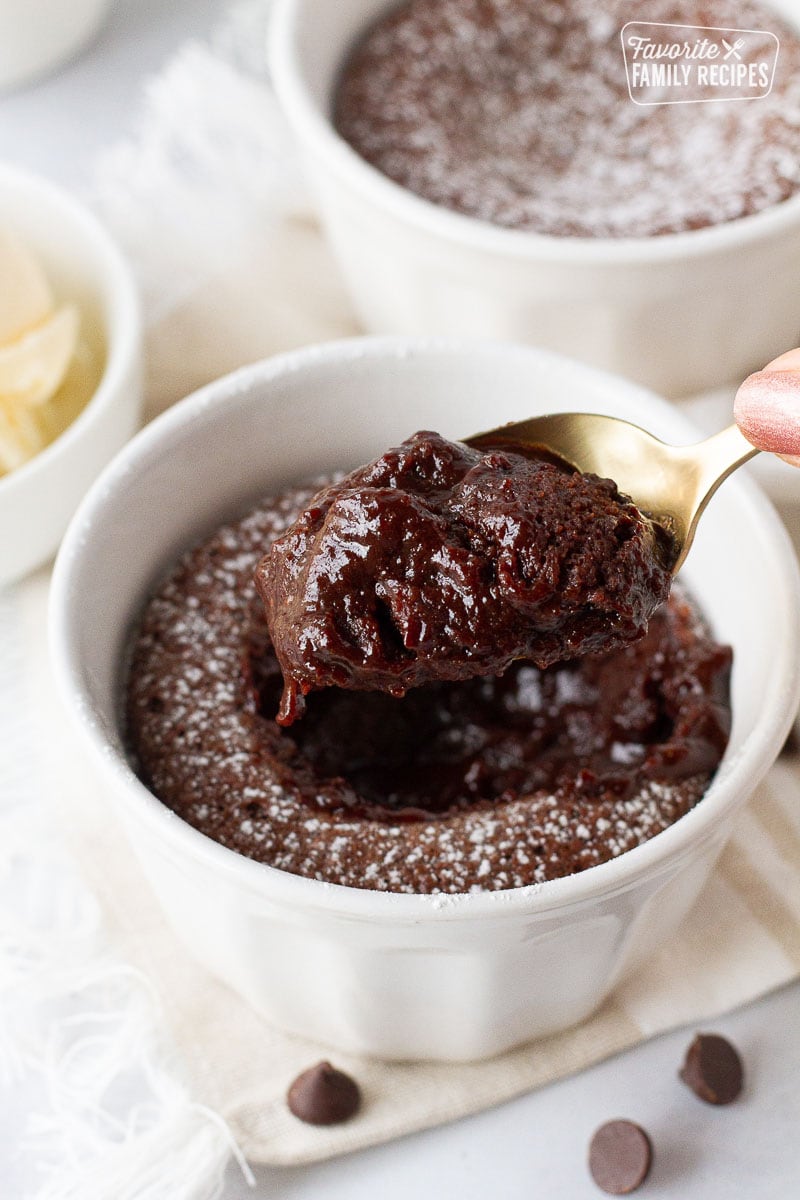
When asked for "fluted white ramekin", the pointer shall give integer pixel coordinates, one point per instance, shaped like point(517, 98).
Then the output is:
point(403, 976)
point(680, 313)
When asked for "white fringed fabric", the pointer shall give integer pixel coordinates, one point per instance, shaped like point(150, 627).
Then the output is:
point(104, 1114)
point(208, 201)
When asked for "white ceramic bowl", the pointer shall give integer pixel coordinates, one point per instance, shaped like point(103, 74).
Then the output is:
point(84, 265)
point(681, 313)
point(36, 36)
point(403, 976)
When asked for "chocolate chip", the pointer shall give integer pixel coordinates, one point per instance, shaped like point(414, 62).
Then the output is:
point(324, 1096)
point(620, 1155)
point(713, 1069)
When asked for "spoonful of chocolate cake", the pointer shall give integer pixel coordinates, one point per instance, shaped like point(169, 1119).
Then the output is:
point(446, 560)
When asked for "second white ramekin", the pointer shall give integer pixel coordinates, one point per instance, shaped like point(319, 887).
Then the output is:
point(680, 313)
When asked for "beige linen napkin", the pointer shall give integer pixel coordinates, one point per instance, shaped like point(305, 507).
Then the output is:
point(741, 940)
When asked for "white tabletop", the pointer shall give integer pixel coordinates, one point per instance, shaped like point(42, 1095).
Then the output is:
point(534, 1146)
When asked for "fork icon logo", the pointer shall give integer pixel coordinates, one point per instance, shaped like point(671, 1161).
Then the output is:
point(733, 50)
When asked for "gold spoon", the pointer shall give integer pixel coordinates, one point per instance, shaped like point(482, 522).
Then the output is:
point(670, 484)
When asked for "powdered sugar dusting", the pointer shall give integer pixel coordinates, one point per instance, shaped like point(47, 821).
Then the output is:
point(519, 114)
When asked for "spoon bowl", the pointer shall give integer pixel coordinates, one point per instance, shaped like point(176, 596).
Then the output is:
point(670, 484)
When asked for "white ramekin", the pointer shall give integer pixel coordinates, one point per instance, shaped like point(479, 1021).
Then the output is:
point(84, 265)
point(681, 313)
point(36, 36)
point(403, 976)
